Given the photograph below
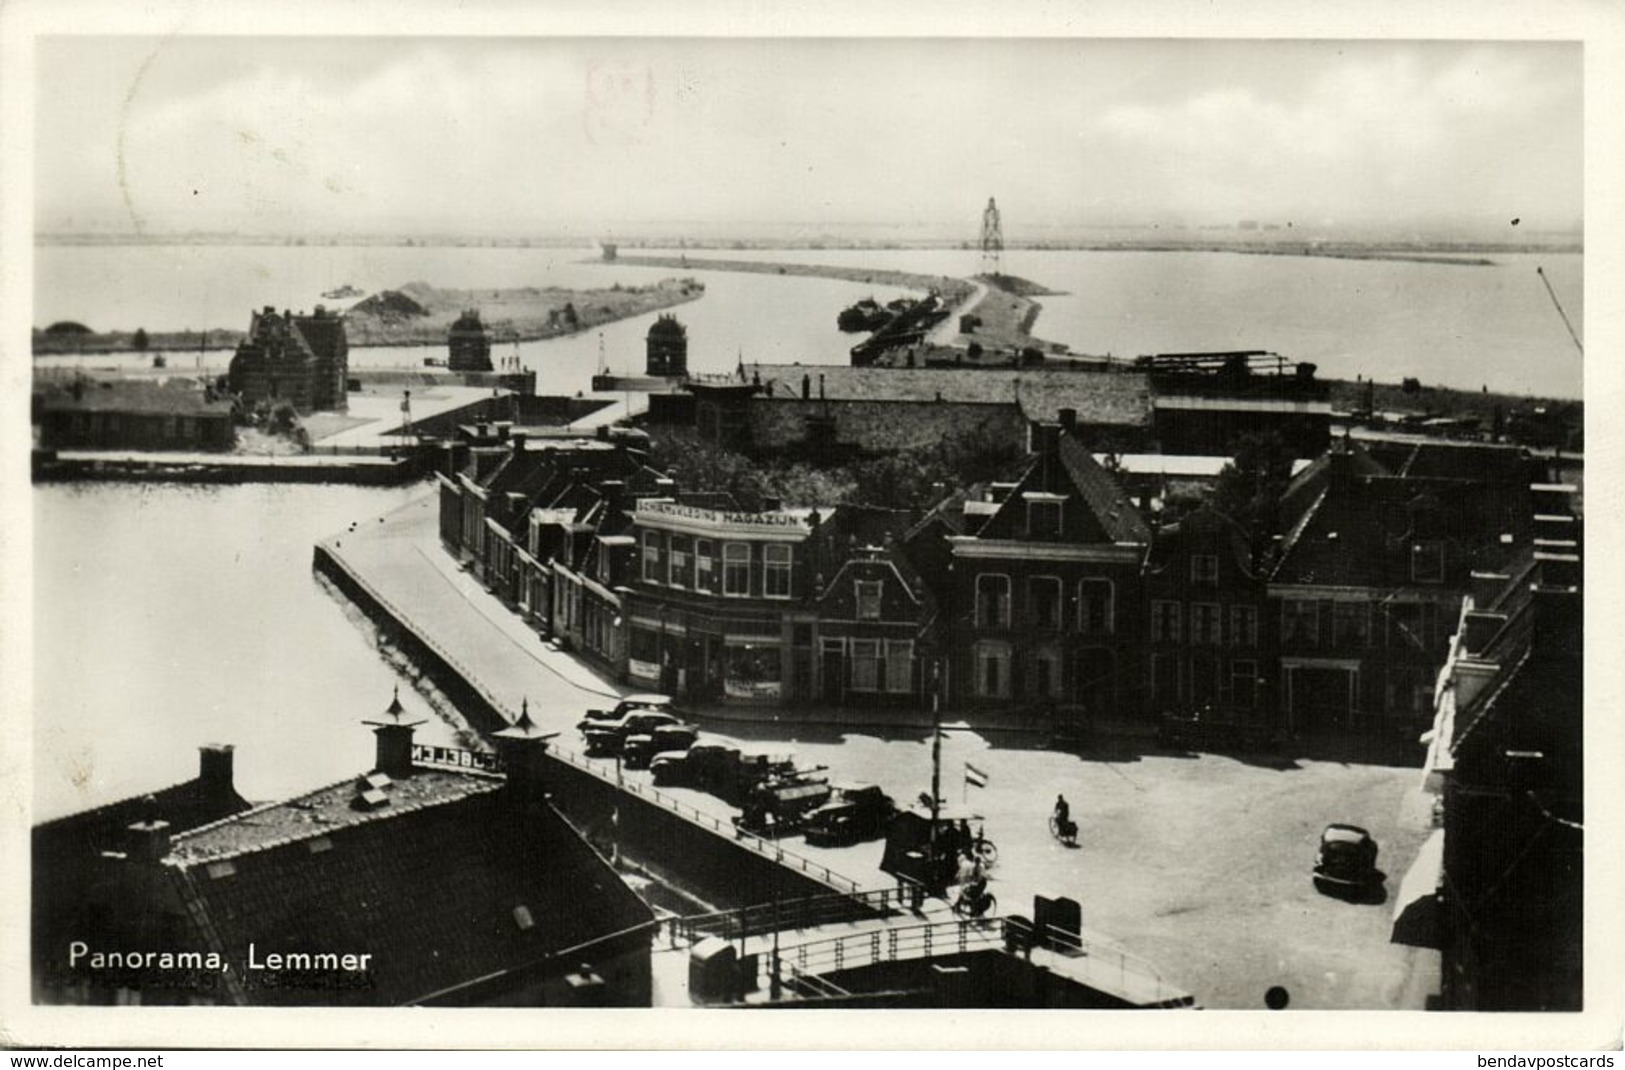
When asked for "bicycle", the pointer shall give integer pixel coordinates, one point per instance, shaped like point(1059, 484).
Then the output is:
point(1064, 831)
point(967, 905)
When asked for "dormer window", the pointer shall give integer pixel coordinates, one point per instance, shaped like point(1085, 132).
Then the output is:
point(1043, 515)
point(868, 594)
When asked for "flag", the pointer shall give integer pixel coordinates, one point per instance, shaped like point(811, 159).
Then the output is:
point(974, 776)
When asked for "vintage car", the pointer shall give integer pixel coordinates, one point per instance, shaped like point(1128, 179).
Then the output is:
point(1347, 857)
point(606, 738)
point(855, 812)
point(639, 750)
point(629, 704)
point(779, 807)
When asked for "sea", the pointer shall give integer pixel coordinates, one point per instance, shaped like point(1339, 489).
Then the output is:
point(167, 616)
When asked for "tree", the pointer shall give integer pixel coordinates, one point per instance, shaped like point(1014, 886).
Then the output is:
point(140, 341)
point(1250, 488)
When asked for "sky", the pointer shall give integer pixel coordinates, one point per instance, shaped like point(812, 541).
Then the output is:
point(604, 135)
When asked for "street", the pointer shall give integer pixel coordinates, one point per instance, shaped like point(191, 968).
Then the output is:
point(1199, 864)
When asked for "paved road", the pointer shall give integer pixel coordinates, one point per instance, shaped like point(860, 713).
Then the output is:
point(1198, 863)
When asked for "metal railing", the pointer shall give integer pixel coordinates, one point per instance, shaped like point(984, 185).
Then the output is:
point(805, 912)
point(766, 848)
point(1137, 980)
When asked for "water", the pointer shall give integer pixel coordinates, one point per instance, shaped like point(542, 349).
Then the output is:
point(170, 616)
point(1452, 325)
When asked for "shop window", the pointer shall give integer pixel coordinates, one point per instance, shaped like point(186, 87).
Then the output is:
point(1165, 622)
point(776, 570)
point(1244, 626)
point(992, 601)
point(753, 672)
point(677, 566)
point(736, 569)
point(1044, 602)
point(868, 594)
point(1205, 624)
point(703, 579)
point(1095, 606)
point(651, 557)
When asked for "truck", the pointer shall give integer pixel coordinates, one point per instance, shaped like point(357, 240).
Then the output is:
point(779, 806)
point(853, 813)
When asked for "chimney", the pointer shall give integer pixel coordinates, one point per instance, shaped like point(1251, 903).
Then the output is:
point(1069, 422)
point(806, 386)
point(148, 841)
point(523, 747)
point(214, 770)
point(394, 753)
point(518, 440)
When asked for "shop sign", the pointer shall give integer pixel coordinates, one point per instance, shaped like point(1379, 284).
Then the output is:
point(716, 516)
point(736, 687)
point(644, 670)
point(455, 758)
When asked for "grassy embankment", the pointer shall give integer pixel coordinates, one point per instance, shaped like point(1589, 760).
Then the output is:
point(422, 319)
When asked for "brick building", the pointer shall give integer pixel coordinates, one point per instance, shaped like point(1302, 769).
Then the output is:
point(424, 881)
point(1045, 602)
point(303, 360)
point(1209, 640)
point(1370, 578)
point(135, 415)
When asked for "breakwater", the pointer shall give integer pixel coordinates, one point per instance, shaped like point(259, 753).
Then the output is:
point(953, 290)
point(368, 470)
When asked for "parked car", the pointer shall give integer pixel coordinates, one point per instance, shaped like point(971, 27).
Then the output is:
point(629, 704)
point(606, 738)
point(854, 813)
point(1347, 857)
point(639, 750)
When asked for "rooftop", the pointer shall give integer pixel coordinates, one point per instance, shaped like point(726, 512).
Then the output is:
point(179, 397)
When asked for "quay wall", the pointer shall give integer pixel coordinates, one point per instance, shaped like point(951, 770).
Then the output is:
point(50, 468)
point(702, 855)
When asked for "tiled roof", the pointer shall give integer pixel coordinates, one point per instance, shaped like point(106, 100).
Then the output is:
point(1120, 398)
point(444, 885)
point(1097, 510)
point(134, 396)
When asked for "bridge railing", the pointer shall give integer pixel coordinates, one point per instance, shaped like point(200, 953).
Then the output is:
point(764, 847)
point(884, 944)
point(805, 912)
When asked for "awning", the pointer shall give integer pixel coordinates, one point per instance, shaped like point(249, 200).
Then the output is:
point(1417, 920)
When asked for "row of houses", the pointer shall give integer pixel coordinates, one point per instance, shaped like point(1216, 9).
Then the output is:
point(1056, 591)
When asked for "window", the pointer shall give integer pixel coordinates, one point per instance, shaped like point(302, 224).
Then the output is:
point(1427, 562)
point(703, 579)
point(1407, 629)
point(1244, 683)
point(677, 566)
point(736, 569)
point(1043, 519)
point(1044, 601)
point(1095, 607)
point(899, 666)
point(1205, 624)
point(651, 557)
point(868, 599)
point(993, 670)
point(776, 570)
point(992, 601)
point(1204, 568)
point(1165, 622)
point(1409, 691)
point(1243, 625)
point(1204, 679)
point(1351, 623)
point(866, 665)
point(1300, 622)
point(1045, 678)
